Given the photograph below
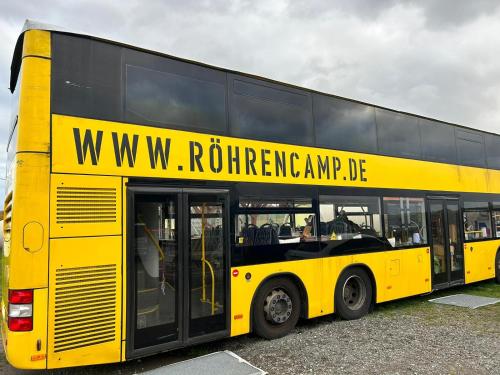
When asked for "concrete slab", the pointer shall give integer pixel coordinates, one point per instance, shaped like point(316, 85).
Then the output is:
point(218, 363)
point(465, 300)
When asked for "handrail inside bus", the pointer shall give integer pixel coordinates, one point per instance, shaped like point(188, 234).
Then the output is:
point(154, 241)
point(205, 261)
point(213, 284)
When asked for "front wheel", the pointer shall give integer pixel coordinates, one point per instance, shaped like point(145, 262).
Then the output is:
point(276, 308)
point(353, 294)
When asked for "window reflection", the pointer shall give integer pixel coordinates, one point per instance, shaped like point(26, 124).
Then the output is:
point(266, 113)
point(156, 254)
point(438, 240)
point(256, 229)
point(477, 221)
point(398, 134)
point(349, 217)
point(344, 125)
point(207, 259)
point(492, 144)
point(470, 148)
point(438, 141)
point(405, 221)
point(169, 98)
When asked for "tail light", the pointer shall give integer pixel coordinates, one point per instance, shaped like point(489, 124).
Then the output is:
point(20, 310)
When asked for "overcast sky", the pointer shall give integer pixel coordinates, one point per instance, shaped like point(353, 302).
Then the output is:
point(437, 58)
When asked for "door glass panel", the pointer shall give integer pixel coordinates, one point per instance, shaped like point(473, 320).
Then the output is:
point(456, 250)
point(207, 265)
point(156, 269)
point(438, 242)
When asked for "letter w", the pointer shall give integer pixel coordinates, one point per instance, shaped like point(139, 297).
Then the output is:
point(124, 148)
point(87, 146)
point(159, 151)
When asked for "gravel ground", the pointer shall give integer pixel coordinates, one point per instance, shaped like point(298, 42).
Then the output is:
point(410, 336)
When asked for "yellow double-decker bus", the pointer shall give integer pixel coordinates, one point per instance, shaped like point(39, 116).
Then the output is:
point(153, 203)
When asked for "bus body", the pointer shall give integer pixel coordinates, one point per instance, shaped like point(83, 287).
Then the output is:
point(154, 203)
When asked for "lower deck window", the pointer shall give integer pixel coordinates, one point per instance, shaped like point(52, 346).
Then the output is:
point(405, 223)
point(477, 221)
point(256, 229)
point(344, 218)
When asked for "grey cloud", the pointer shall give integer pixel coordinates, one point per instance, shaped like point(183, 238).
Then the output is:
point(454, 13)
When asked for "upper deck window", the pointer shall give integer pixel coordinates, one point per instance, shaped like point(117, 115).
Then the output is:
point(492, 144)
point(171, 93)
point(398, 134)
point(470, 148)
point(269, 112)
point(344, 125)
point(438, 141)
point(86, 78)
point(174, 99)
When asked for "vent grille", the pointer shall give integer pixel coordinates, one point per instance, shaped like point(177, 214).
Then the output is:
point(78, 205)
point(85, 307)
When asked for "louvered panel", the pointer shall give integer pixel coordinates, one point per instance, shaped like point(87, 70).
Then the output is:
point(76, 205)
point(85, 306)
point(85, 205)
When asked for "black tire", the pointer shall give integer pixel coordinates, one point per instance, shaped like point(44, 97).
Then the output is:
point(353, 294)
point(497, 267)
point(269, 296)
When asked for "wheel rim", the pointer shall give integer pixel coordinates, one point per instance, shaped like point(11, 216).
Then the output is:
point(278, 306)
point(354, 292)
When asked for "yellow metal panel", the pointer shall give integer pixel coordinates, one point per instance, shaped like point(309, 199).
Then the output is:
point(79, 255)
point(28, 267)
point(479, 258)
point(494, 181)
point(36, 43)
point(34, 106)
point(408, 273)
point(100, 147)
point(21, 347)
point(397, 274)
point(85, 205)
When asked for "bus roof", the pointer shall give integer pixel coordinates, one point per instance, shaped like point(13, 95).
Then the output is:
point(35, 25)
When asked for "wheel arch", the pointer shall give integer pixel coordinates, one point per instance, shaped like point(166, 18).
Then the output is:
point(370, 274)
point(304, 299)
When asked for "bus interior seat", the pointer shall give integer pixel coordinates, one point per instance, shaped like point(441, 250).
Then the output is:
point(285, 230)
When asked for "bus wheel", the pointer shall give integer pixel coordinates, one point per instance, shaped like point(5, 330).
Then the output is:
point(353, 294)
point(276, 308)
point(497, 267)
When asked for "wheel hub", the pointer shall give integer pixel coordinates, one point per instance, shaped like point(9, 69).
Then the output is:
point(354, 292)
point(278, 306)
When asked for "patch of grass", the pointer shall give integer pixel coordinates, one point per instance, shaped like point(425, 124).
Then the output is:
point(412, 304)
point(485, 289)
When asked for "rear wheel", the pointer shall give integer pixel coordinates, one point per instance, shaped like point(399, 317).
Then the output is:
point(497, 267)
point(353, 294)
point(276, 308)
